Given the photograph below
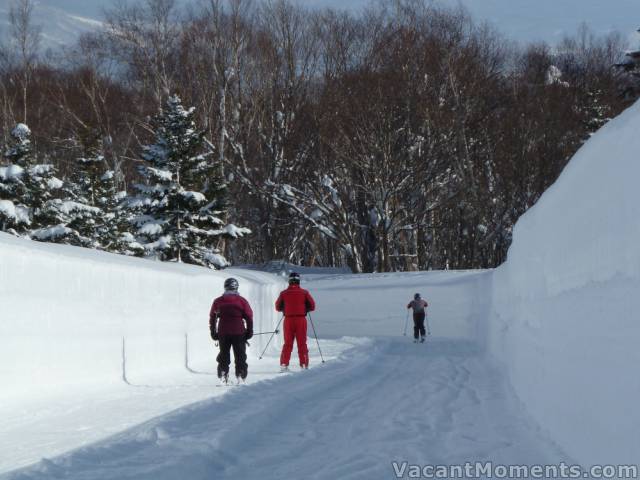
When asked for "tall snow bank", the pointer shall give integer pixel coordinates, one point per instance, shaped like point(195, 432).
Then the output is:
point(566, 313)
point(73, 317)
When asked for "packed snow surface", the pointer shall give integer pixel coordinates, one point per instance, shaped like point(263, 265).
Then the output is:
point(347, 419)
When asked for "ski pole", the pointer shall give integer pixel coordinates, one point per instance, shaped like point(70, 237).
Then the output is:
point(266, 333)
point(315, 335)
point(271, 338)
point(428, 329)
point(406, 320)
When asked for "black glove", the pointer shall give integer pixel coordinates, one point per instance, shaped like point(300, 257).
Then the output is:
point(214, 335)
point(248, 334)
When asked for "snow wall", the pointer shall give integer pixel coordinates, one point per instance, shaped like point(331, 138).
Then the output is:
point(376, 304)
point(71, 316)
point(566, 311)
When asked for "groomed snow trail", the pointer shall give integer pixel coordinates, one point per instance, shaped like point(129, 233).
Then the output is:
point(384, 400)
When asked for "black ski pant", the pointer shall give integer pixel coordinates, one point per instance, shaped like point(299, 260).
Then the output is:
point(237, 342)
point(418, 324)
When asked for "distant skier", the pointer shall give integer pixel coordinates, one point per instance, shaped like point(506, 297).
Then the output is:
point(419, 315)
point(230, 330)
point(295, 302)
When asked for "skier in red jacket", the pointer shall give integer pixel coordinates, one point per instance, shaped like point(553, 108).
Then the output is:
point(295, 302)
point(230, 330)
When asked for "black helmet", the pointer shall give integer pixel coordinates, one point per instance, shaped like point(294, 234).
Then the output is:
point(294, 278)
point(416, 296)
point(231, 284)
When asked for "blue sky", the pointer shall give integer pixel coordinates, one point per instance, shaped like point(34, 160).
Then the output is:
point(522, 20)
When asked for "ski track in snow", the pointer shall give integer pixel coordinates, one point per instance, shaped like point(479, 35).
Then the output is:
point(383, 400)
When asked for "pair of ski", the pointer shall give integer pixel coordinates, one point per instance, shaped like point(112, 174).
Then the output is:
point(288, 370)
point(224, 382)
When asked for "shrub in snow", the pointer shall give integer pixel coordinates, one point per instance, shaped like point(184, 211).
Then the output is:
point(179, 211)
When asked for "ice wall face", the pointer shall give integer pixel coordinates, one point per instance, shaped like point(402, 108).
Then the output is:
point(566, 313)
point(65, 313)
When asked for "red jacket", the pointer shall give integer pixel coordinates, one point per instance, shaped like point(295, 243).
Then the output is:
point(231, 309)
point(295, 302)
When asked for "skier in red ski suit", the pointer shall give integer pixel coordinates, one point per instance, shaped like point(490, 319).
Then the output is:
point(295, 302)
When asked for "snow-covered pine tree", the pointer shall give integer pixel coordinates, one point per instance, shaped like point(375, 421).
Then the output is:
point(49, 214)
point(596, 111)
point(30, 206)
point(14, 214)
point(112, 231)
point(181, 208)
point(630, 67)
point(113, 228)
point(91, 196)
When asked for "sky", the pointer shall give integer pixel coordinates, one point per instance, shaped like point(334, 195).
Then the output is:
point(531, 20)
point(520, 20)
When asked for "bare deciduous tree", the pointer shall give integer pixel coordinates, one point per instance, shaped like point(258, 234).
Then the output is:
point(25, 37)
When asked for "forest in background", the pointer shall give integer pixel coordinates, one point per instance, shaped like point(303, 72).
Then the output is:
point(401, 137)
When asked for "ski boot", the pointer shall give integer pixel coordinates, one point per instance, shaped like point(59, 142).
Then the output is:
point(241, 376)
point(284, 368)
point(223, 376)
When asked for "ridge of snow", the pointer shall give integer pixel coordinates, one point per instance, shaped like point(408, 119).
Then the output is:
point(77, 322)
point(564, 317)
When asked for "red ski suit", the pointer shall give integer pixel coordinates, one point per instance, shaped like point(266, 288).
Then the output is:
point(295, 302)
